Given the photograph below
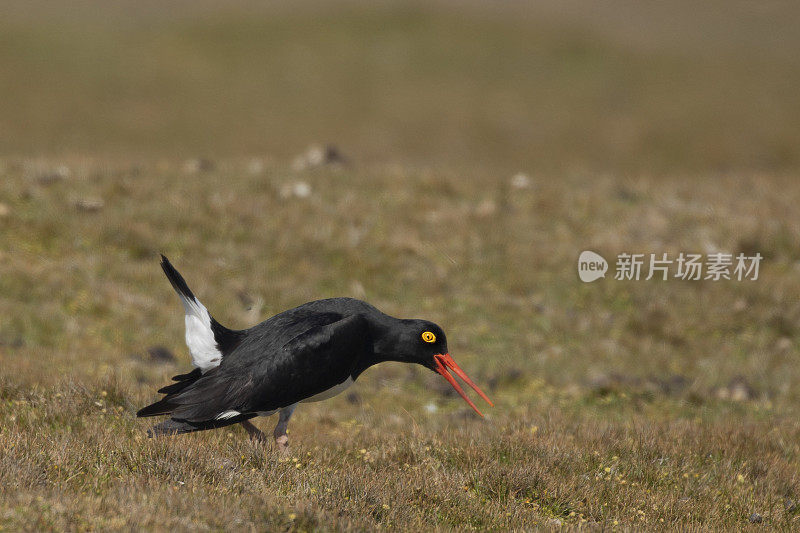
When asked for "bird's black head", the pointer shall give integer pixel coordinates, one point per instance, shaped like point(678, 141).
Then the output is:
point(420, 341)
point(424, 343)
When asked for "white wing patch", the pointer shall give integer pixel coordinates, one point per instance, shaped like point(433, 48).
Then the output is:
point(199, 336)
point(227, 414)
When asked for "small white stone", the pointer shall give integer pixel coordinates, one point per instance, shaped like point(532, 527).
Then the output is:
point(521, 180)
point(90, 205)
point(784, 344)
point(296, 189)
point(486, 208)
point(315, 156)
point(301, 189)
point(357, 289)
point(63, 172)
point(431, 408)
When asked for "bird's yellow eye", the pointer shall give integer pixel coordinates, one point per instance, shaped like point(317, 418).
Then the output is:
point(429, 337)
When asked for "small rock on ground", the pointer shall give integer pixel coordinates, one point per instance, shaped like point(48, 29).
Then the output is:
point(89, 205)
point(160, 353)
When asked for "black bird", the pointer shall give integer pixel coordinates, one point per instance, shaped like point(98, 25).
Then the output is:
point(306, 354)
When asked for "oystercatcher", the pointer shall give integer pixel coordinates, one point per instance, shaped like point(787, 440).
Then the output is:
point(306, 354)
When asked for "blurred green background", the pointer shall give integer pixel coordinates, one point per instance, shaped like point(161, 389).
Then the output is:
point(618, 85)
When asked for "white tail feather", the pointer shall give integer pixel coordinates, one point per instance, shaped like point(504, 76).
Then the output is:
point(199, 335)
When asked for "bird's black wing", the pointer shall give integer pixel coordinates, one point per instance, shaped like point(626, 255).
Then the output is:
point(312, 362)
point(265, 338)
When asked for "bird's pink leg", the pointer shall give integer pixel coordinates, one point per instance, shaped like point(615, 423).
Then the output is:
point(281, 439)
point(255, 433)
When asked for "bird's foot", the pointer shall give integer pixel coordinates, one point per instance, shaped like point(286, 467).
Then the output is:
point(282, 442)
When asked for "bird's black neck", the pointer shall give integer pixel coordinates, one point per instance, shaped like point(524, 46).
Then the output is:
point(382, 345)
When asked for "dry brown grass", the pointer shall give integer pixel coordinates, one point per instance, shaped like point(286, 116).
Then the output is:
point(614, 400)
point(620, 405)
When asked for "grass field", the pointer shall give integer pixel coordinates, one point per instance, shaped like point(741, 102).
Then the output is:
point(619, 404)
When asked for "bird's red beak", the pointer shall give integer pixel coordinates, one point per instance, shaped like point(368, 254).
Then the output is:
point(445, 362)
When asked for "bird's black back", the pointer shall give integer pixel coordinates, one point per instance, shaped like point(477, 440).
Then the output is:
point(287, 358)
